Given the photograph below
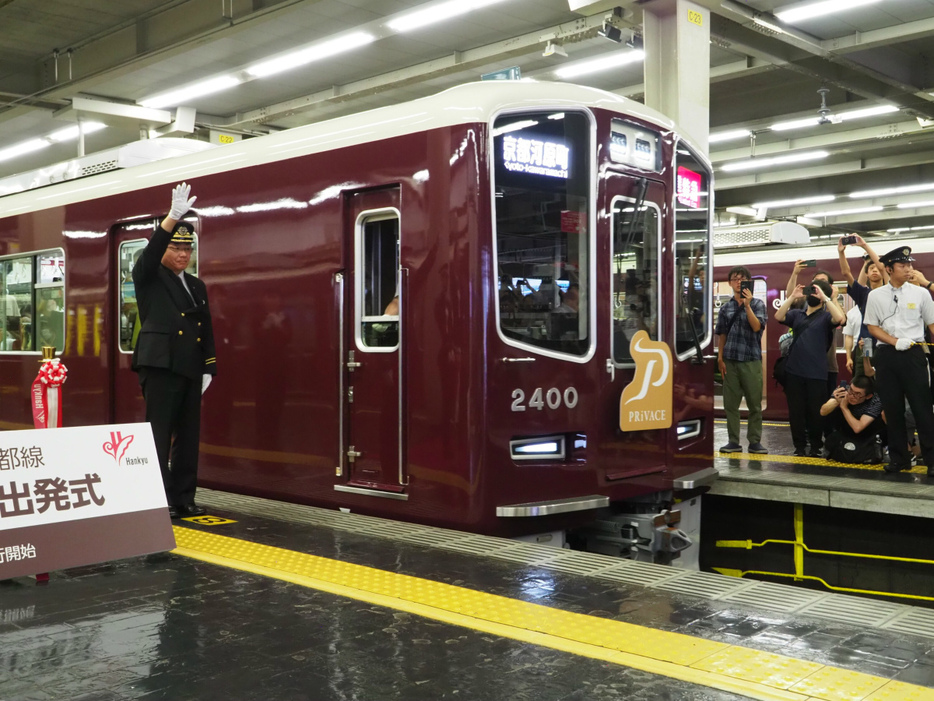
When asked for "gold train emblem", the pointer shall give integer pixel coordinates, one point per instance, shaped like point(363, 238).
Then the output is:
point(645, 403)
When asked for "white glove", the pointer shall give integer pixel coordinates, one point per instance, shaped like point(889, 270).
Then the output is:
point(180, 202)
point(205, 381)
point(903, 344)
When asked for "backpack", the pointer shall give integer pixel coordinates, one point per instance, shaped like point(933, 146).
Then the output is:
point(859, 449)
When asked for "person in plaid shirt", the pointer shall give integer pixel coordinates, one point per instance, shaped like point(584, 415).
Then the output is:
point(739, 332)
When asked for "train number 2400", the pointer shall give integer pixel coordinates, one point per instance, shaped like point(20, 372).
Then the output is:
point(553, 398)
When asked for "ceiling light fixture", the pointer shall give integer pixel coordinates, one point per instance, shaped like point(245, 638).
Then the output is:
point(22, 148)
point(772, 27)
point(818, 9)
point(883, 192)
point(815, 199)
point(71, 133)
point(178, 96)
point(315, 52)
point(731, 135)
point(56, 137)
point(437, 13)
point(755, 163)
point(835, 118)
point(614, 60)
point(916, 205)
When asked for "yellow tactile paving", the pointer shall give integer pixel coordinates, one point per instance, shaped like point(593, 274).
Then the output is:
point(731, 668)
point(836, 684)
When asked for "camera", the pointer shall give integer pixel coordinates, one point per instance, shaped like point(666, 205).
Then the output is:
point(745, 285)
point(847, 240)
point(867, 347)
point(810, 263)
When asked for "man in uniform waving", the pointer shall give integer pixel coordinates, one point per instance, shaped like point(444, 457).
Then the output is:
point(174, 354)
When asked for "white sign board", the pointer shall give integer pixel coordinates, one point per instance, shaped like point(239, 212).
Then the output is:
point(76, 496)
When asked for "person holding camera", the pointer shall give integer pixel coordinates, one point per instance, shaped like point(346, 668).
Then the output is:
point(739, 333)
point(896, 315)
point(806, 383)
point(833, 368)
point(854, 412)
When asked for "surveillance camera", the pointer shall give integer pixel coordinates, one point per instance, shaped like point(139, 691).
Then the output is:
point(612, 33)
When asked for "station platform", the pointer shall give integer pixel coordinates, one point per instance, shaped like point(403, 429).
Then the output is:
point(782, 476)
point(265, 600)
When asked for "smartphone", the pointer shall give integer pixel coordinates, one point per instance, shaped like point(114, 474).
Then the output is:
point(745, 285)
point(847, 240)
point(843, 384)
point(810, 263)
point(867, 347)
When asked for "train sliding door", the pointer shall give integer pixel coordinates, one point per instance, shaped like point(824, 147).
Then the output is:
point(372, 447)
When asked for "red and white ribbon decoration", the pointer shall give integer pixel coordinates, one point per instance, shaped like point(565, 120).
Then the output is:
point(46, 396)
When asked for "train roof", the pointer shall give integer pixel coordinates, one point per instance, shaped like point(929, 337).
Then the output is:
point(788, 254)
point(464, 104)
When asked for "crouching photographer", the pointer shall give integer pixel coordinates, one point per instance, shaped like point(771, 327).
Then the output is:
point(855, 415)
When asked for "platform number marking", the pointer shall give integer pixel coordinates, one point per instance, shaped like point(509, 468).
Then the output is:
point(695, 17)
point(552, 398)
point(208, 520)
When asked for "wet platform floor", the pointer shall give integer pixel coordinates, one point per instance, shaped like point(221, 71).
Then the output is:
point(368, 616)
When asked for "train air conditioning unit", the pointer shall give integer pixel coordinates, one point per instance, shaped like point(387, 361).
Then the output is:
point(760, 233)
point(134, 154)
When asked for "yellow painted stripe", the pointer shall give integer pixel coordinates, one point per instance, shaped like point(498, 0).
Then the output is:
point(707, 663)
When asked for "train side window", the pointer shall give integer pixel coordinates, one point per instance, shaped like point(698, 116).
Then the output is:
point(33, 302)
point(541, 163)
point(378, 291)
point(693, 295)
point(635, 274)
point(128, 254)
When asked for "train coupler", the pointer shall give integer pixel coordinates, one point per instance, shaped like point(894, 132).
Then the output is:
point(644, 537)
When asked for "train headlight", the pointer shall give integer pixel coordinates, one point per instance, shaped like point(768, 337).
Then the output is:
point(538, 448)
point(689, 429)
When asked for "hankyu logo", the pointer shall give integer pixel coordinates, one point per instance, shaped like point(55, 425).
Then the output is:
point(646, 401)
point(117, 446)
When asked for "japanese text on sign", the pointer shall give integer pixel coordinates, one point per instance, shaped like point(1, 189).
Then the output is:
point(689, 187)
point(14, 553)
point(536, 156)
point(13, 458)
point(16, 499)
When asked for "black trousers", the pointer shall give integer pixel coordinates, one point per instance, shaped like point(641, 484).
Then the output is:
point(805, 397)
point(901, 376)
point(173, 409)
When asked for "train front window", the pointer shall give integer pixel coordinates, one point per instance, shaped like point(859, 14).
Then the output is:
point(542, 193)
point(693, 294)
point(635, 274)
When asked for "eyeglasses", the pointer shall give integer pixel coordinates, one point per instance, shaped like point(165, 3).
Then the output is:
point(849, 390)
point(737, 278)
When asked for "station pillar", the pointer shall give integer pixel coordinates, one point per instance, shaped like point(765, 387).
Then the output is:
point(676, 38)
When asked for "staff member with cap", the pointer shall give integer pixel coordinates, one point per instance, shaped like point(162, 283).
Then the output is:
point(896, 315)
point(174, 354)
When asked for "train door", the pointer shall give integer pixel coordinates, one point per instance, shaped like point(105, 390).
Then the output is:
point(372, 450)
point(127, 243)
point(634, 207)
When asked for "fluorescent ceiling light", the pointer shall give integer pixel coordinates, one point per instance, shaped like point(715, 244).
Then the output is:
point(816, 199)
point(844, 212)
point(834, 118)
point(315, 52)
point(916, 205)
point(178, 96)
point(731, 135)
point(23, 148)
point(754, 163)
point(883, 192)
point(818, 9)
point(71, 133)
point(868, 112)
point(618, 58)
point(436, 13)
point(796, 124)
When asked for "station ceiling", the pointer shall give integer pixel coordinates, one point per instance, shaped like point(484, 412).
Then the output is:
point(99, 60)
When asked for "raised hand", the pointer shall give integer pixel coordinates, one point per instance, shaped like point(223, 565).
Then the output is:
point(181, 202)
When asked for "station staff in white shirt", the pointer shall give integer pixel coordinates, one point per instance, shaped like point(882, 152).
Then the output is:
point(896, 315)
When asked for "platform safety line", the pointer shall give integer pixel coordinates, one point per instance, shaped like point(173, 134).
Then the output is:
point(731, 668)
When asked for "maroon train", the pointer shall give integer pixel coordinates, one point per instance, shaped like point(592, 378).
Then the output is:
point(421, 312)
point(771, 267)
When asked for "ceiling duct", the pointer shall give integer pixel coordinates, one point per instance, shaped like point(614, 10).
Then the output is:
point(137, 153)
point(759, 234)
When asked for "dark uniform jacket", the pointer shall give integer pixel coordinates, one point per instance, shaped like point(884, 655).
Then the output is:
point(175, 332)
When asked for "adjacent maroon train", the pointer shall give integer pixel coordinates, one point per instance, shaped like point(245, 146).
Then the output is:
point(527, 230)
point(771, 268)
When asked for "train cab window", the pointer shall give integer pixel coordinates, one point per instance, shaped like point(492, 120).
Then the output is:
point(635, 274)
point(128, 253)
point(541, 164)
point(693, 296)
point(378, 291)
point(33, 302)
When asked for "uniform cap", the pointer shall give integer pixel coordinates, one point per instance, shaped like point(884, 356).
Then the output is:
point(902, 254)
point(183, 233)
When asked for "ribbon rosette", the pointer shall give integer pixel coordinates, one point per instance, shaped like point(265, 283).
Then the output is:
point(53, 373)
